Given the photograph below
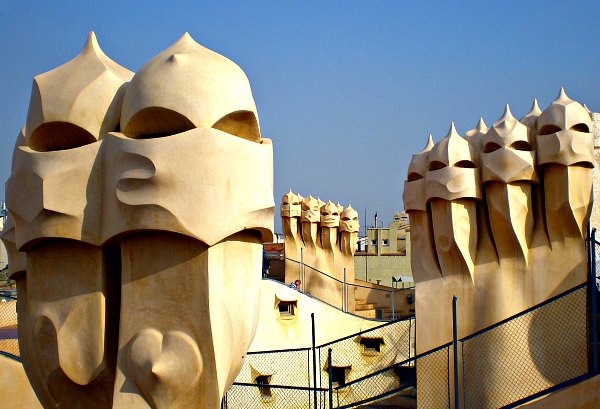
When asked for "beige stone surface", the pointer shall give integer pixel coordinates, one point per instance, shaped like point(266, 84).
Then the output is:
point(530, 119)
point(275, 331)
point(77, 103)
point(474, 137)
point(415, 204)
point(169, 94)
point(452, 187)
point(16, 390)
point(504, 240)
point(508, 173)
point(138, 205)
point(174, 358)
point(320, 241)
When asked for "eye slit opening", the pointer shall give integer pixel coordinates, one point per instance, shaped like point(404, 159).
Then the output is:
point(156, 122)
point(584, 164)
point(414, 176)
point(58, 136)
point(548, 129)
point(491, 147)
point(242, 124)
point(464, 164)
point(521, 146)
point(580, 127)
point(436, 165)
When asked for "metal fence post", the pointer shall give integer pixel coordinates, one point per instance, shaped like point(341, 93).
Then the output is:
point(393, 304)
point(462, 355)
point(330, 372)
point(314, 351)
point(594, 291)
point(455, 348)
point(301, 272)
point(344, 295)
point(410, 337)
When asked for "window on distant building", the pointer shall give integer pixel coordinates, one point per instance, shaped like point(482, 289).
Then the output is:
point(373, 242)
point(385, 242)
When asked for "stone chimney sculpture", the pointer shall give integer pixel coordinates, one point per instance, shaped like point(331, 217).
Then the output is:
point(498, 220)
point(320, 241)
point(138, 205)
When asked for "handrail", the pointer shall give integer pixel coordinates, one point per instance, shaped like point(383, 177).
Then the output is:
point(346, 312)
point(336, 307)
point(314, 269)
point(273, 351)
point(341, 282)
point(304, 388)
point(9, 355)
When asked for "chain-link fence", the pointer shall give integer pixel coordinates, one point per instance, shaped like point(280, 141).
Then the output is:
point(286, 367)
point(245, 396)
point(9, 343)
point(401, 380)
point(366, 352)
point(288, 371)
point(528, 353)
point(434, 366)
point(376, 386)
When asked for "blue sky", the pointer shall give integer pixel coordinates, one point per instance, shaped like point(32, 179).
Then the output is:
point(347, 90)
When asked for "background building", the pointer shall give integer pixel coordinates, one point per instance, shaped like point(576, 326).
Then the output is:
point(384, 254)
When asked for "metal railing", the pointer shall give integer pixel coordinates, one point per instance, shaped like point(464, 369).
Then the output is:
point(335, 292)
